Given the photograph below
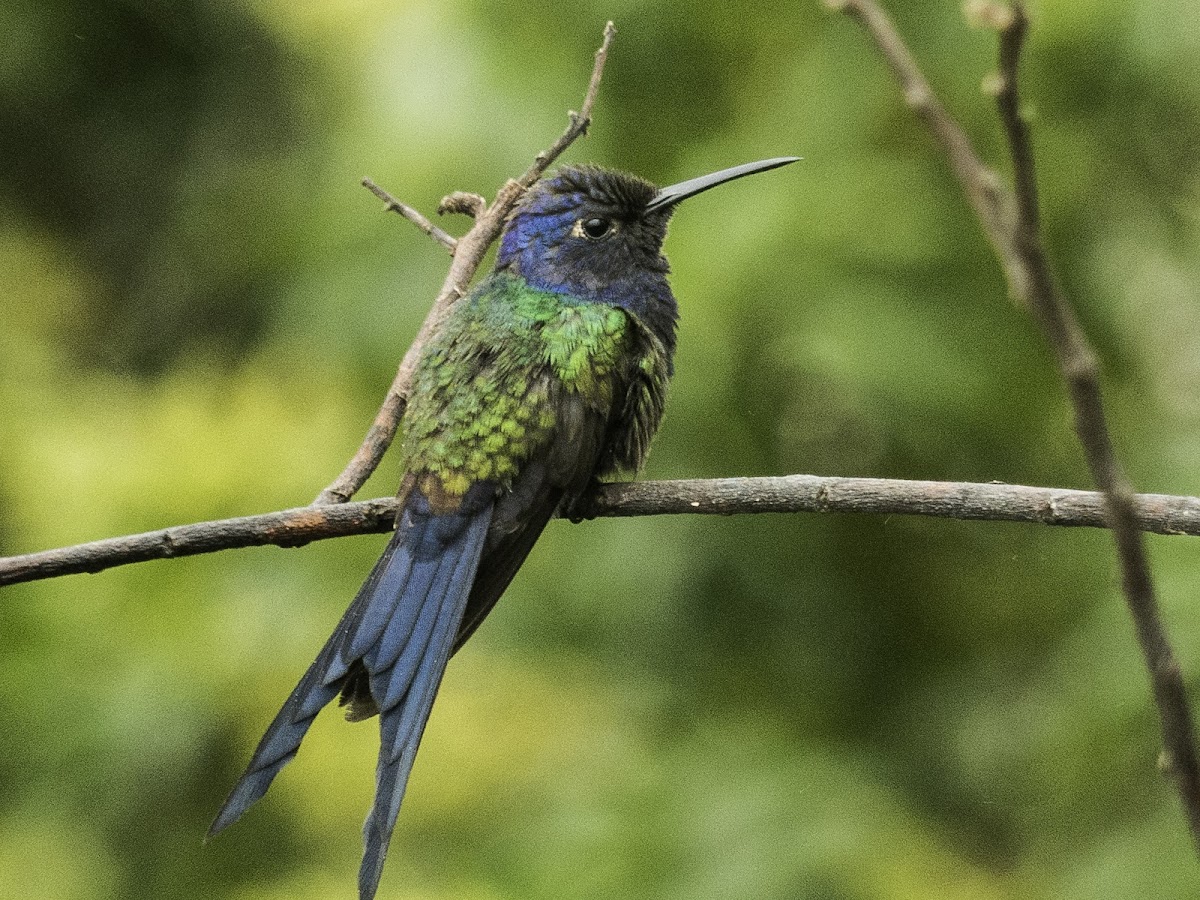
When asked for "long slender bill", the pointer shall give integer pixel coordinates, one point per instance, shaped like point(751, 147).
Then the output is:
point(669, 196)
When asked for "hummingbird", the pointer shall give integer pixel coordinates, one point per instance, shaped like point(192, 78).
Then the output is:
point(549, 375)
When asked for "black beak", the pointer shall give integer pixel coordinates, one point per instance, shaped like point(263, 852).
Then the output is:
point(669, 196)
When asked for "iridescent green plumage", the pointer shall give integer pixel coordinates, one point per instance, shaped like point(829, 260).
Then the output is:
point(519, 352)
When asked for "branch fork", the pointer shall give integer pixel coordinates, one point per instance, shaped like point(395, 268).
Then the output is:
point(1010, 220)
point(468, 252)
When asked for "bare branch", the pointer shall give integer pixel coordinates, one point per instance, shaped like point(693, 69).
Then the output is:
point(394, 205)
point(1011, 221)
point(1077, 363)
point(289, 528)
point(579, 121)
point(982, 188)
point(1012, 28)
point(468, 254)
point(1157, 513)
point(374, 445)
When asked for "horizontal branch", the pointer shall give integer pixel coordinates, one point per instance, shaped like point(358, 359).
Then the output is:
point(1157, 513)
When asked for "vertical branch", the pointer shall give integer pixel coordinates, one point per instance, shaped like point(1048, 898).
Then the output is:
point(1011, 222)
point(1080, 371)
point(1013, 25)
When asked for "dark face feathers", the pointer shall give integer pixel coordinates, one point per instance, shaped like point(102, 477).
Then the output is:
point(616, 190)
point(584, 228)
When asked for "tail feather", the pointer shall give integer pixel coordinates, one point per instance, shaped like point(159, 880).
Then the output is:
point(320, 685)
point(392, 686)
point(372, 609)
point(399, 628)
point(382, 654)
point(280, 743)
point(402, 734)
point(419, 688)
point(401, 726)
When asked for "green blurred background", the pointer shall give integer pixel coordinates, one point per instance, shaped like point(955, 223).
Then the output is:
point(201, 311)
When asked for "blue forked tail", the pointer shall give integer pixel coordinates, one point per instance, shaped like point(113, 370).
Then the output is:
point(398, 632)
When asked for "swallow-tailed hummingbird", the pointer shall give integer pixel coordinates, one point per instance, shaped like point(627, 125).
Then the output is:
point(550, 374)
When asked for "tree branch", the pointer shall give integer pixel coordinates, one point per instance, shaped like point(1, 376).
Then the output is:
point(1157, 513)
point(391, 204)
point(1010, 220)
point(1077, 363)
point(983, 189)
point(468, 254)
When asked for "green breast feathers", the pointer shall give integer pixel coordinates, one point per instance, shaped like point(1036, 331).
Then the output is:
point(491, 384)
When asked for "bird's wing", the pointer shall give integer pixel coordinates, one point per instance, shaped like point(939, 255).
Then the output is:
point(508, 547)
point(636, 417)
point(557, 474)
point(399, 629)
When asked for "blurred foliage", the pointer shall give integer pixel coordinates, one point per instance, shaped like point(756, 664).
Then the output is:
point(200, 311)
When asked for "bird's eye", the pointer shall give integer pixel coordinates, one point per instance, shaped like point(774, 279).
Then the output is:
point(596, 228)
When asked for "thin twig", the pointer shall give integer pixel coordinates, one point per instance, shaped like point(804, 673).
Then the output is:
point(394, 205)
point(1157, 513)
point(1012, 29)
point(374, 445)
point(983, 190)
point(1010, 220)
point(579, 121)
point(468, 254)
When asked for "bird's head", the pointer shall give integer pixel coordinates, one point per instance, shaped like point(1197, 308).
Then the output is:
point(597, 235)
